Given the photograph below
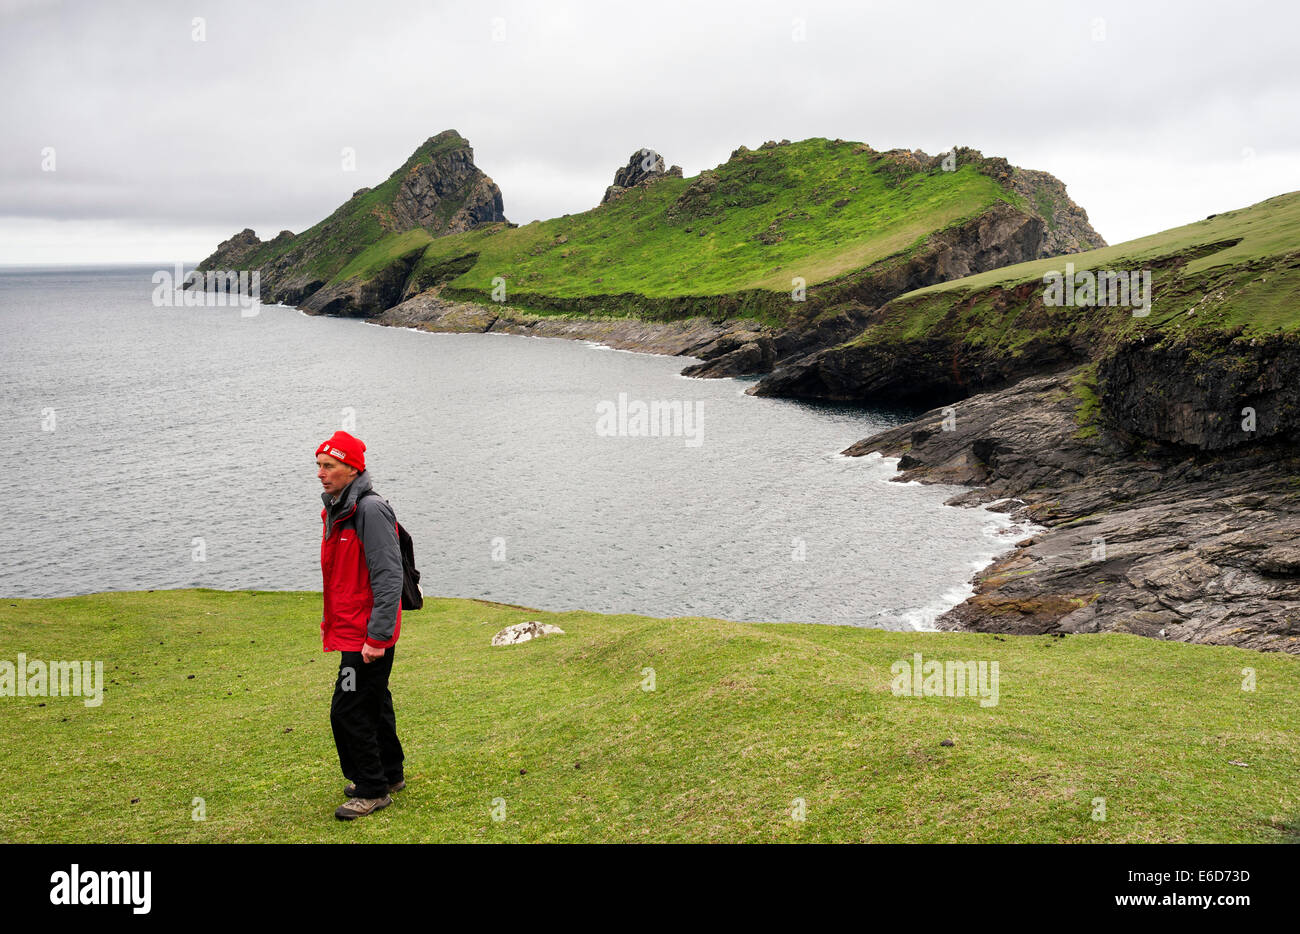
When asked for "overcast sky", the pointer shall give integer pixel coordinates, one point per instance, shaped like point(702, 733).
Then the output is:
point(1153, 114)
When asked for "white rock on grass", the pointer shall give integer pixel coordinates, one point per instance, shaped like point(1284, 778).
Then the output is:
point(522, 632)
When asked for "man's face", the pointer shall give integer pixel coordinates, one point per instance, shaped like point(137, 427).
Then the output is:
point(333, 475)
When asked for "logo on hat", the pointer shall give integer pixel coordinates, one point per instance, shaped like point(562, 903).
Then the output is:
point(335, 452)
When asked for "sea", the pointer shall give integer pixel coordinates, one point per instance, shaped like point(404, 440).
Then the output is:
point(151, 445)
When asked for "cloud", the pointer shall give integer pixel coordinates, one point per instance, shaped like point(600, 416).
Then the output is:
point(160, 123)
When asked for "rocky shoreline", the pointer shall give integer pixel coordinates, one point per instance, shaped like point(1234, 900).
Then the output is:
point(1153, 444)
point(1141, 537)
point(692, 337)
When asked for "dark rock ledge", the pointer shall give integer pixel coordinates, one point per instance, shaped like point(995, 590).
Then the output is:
point(698, 337)
point(1142, 537)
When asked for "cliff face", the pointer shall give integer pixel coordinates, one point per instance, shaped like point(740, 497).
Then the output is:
point(1068, 230)
point(1045, 223)
point(1211, 364)
point(1211, 393)
point(1157, 449)
point(437, 192)
point(446, 194)
point(854, 226)
point(837, 311)
point(1140, 537)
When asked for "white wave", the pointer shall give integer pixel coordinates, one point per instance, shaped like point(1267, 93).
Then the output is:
point(922, 619)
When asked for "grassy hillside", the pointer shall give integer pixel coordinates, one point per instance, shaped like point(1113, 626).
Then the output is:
point(359, 224)
point(744, 719)
point(817, 209)
point(1235, 272)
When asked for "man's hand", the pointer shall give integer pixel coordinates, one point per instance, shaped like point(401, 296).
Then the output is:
point(369, 654)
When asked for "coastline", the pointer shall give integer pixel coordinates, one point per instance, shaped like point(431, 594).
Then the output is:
point(697, 337)
point(1135, 537)
point(1002, 538)
point(688, 338)
point(1153, 540)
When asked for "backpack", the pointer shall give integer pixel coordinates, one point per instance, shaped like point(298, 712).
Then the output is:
point(412, 595)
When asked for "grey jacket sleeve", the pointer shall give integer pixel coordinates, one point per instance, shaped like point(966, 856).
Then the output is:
point(376, 528)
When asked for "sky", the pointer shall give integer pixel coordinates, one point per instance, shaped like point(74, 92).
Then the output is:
point(151, 131)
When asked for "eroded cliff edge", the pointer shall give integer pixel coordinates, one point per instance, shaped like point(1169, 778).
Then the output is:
point(1157, 445)
point(1142, 536)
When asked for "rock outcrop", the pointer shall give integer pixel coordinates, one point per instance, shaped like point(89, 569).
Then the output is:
point(1068, 229)
point(643, 167)
point(1140, 537)
point(525, 632)
point(232, 253)
point(439, 190)
point(1212, 393)
point(445, 195)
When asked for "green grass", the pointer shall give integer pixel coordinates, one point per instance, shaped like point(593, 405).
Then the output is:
point(817, 209)
point(745, 719)
point(647, 243)
point(1238, 273)
point(1260, 231)
point(1087, 410)
point(380, 255)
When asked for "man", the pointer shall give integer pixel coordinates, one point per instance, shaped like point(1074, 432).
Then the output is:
point(361, 564)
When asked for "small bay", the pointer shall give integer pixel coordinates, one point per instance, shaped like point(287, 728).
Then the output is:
point(163, 447)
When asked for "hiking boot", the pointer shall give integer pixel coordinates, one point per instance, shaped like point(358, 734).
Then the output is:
point(350, 789)
point(360, 807)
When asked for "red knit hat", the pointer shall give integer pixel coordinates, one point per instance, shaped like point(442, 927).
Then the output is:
point(345, 449)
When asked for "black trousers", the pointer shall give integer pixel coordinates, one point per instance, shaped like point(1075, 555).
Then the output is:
point(365, 727)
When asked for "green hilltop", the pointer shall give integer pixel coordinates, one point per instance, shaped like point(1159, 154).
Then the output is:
point(817, 210)
point(361, 223)
point(1235, 272)
point(1220, 334)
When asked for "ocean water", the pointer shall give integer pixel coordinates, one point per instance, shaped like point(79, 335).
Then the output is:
point(159, 447)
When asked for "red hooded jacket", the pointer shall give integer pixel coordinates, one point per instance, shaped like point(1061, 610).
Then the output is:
point(361, 568)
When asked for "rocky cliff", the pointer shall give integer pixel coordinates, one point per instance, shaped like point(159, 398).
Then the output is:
point(1045, 223)
point(1157, 449)
point(643, 167)
point(437, 192)
point(848, 227)
point(1155, 539)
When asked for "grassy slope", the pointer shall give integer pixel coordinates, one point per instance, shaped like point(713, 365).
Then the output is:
point(745, 718)
point(1237, 270)
point(355, 227)
point(636, 244)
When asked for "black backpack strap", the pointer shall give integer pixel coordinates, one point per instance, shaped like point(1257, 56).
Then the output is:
point(412, 595)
